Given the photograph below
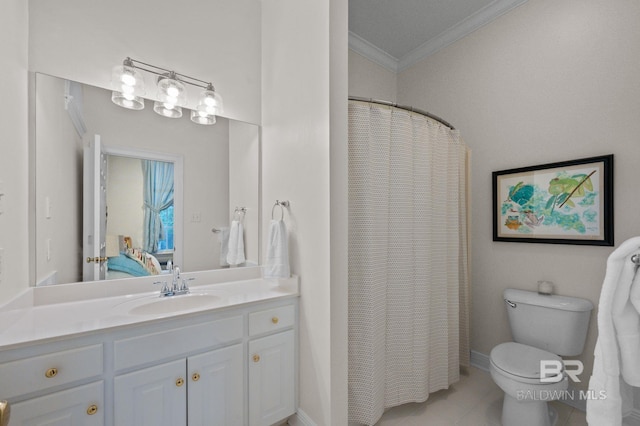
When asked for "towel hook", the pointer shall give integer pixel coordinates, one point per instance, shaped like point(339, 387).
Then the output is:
point(636, 259)
point(282, 205)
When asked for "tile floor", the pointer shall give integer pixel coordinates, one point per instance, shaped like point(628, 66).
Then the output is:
point(474, 401)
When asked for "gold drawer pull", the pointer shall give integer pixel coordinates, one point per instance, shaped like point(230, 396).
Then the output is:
point(51, 373)
point(92, 409)
point(256, 358)
point(180, 382)
point(275, 320)
point(195, 377)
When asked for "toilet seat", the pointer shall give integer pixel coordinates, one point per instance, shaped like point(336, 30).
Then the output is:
point(521, 362)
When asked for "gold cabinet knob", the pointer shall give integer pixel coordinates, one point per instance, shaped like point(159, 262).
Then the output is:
point(5, 413)
point(195, 377)
point(51, 373)
point(275, 320)
point(92, 409)
point(179, 382)
point(256, 358)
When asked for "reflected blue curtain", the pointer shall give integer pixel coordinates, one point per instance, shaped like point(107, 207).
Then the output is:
point(158, 195)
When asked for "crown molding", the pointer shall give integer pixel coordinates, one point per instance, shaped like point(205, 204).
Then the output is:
point(373, 53)
point(463, 28)
point(458, 31)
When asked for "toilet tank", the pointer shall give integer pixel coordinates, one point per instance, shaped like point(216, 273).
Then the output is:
point(557, 324)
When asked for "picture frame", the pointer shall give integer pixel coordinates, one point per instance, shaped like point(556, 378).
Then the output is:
point(568, 202)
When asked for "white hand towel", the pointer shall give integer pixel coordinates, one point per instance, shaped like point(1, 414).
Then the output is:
point(611, 393)
point(626, 319)
point(277, 259)
point(236, 244)
point(223, 239)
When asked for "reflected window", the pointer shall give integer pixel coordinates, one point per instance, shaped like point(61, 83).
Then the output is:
point(158, 186)
point(166, 242)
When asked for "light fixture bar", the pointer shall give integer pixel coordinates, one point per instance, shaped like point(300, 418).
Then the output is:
point(159, 71)
point(128, 84)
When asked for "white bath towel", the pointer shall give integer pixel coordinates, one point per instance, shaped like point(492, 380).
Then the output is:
point(626, 320)
point(223, 239)
point(236, 244)
point(277, 259)
point(617, 320)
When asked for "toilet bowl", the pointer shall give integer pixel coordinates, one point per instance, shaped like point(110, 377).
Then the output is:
point(515, 368)
point(543, 327)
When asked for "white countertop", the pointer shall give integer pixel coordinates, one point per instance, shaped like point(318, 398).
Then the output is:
point(40, 314)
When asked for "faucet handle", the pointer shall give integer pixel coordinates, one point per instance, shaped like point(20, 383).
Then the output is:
point(185, 287)
point(165, 287)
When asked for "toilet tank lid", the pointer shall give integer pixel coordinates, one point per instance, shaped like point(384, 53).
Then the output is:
point(564, 303)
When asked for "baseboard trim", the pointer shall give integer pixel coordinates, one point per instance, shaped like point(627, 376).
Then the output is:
point(300, 418)
point(479, 360)
point(632, 419)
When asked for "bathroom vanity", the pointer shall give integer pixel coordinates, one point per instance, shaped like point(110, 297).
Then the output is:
point(225, 354)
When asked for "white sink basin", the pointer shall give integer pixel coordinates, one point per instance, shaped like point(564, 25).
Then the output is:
point(169, 304)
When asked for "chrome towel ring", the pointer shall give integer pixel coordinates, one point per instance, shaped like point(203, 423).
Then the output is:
point(240, 211)
point(282, 205)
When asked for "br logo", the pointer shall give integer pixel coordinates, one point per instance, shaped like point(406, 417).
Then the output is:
point(551, 370)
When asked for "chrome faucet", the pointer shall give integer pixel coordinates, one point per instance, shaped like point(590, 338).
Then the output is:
point(177, 286)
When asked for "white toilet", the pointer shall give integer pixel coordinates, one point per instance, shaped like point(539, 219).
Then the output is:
point(543, 327)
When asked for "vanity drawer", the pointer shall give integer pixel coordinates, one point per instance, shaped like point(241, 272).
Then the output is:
point(45, 371)
point(149, 348)
point(271, 319)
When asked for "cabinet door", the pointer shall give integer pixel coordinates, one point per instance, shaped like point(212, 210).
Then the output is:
point(155, 396)
point(82, 405)
point(271, 379)
point(216, 382)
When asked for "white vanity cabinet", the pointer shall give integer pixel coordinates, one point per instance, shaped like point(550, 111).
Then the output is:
point(234, 366)
point(81, 405)
point(271, 376)
point(155, 396)
point(210, 385)
point(42, 376)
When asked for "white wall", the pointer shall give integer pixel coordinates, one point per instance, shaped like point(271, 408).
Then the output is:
point(370, 80)
point(60, 159)
point(550, 81)
point(125, 198)
point(216, 40)
point(298, 59)
point(14, 235)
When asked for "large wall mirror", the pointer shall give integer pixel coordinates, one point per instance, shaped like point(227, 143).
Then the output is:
point(200, 175)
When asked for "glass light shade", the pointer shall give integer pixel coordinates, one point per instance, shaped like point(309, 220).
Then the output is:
point(172, 91)
point(202, 118)
point(210, 102)
point(127, 79)
point(127, 100)
point(167, 110)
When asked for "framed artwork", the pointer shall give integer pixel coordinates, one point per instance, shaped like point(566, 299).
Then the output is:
point(569, 202)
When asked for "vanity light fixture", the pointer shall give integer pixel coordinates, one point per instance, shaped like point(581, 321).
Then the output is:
point(128, 86)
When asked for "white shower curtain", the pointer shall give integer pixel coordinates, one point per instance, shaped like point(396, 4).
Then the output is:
point(408, 268)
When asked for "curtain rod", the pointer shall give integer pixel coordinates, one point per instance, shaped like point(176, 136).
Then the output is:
point(404, 107)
